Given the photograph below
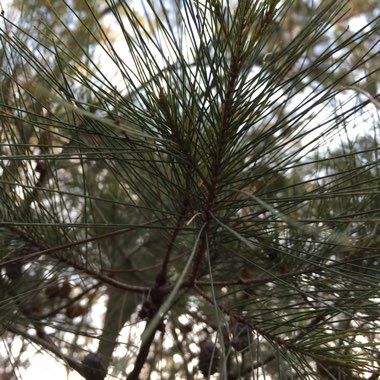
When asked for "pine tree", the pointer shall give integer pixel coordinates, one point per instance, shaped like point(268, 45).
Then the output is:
point(191, 189)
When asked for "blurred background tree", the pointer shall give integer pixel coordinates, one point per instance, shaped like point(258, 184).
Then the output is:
point(190, 189)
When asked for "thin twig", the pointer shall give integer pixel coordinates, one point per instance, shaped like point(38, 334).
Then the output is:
point(62, 247)
point(48, 345)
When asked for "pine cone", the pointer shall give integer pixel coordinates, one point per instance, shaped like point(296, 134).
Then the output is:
point(242, 336)
point(65, 290)
point(75, 310)
point(93, 367)
point(52, 291)
point(208, 358)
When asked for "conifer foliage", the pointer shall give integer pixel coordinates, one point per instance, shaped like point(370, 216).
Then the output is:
point(190, 189)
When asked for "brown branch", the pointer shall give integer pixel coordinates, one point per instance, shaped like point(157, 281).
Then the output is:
point(349, 260)
point(142, 269)
point(105, 279)
point(238, 318)
point(161, 277)
point(83, 268)
point(267, 20)
point(52, 250)
point(218, 152)
point(178, 138)
point(48, 345)
point(253, 327)
point(288, 344)
point(72, 301)
point(143, 354)
point(156, 302)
